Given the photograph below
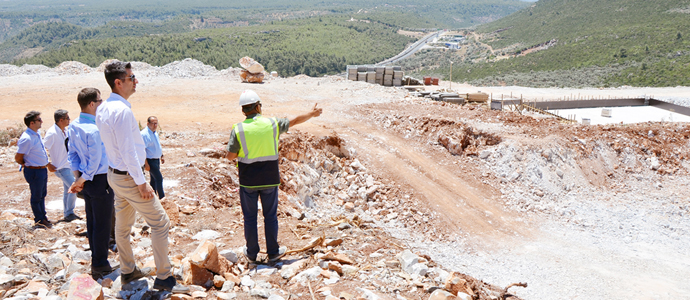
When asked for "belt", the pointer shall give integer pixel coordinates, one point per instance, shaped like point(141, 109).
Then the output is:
point(37, 168)
point(119, 172)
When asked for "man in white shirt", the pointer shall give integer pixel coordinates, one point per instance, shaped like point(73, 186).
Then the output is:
point(55, 142)
point(126, 156)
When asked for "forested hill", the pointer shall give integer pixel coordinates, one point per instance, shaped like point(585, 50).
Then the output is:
point(310, 36)
point(312, 46)
point(645, 42)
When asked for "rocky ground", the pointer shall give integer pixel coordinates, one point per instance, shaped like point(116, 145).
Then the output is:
point(385, 196)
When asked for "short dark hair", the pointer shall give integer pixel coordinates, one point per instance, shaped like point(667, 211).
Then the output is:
point(60, 114)
point(149, 119)
point(86, 96)
point(30, 117)
point(249, 107)
point(116, 70)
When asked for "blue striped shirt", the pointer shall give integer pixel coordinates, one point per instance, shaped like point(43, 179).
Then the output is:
point(86, 150)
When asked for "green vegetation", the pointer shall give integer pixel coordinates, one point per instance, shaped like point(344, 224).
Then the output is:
point(314, 46)
point(296, 36)
point(631, 42)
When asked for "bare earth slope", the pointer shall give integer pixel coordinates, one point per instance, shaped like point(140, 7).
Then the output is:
point(588, 212)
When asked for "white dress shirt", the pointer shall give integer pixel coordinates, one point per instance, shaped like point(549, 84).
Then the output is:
point(54, 142)
point(120, 134)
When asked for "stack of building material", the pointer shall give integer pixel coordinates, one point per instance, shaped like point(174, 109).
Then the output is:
point(352, 74)
point(452, 98)
point(361, 73)
point(397, 76)
point(371, 76)
point(379, 74)
point(477, 97)
point(388, 76)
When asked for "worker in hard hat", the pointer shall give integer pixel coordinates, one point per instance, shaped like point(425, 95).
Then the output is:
point(254, 142)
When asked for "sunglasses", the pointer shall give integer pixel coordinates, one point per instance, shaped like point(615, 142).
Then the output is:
point(131, 77)
point(38, 120)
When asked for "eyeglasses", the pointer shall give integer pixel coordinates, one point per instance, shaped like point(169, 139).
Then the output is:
point(97, 101)
point(38, 120)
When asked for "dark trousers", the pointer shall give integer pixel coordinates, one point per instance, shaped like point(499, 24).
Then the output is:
point(269, 204)
point(38, 185)
point(99, 202)
point(156, 176)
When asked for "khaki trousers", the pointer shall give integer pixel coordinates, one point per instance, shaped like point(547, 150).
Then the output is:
point(128, 202)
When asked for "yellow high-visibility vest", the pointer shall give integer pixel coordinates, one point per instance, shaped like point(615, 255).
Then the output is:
point(258, 139)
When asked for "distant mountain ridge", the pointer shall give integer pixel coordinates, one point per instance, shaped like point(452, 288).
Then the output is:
point(89, 31)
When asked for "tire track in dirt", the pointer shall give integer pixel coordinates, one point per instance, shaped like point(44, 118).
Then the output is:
point(461, 206)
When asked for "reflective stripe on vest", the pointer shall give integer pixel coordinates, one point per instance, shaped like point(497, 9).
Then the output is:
point(251, 150)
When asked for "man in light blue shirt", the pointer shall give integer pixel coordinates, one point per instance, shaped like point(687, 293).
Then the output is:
point(154, 155)
point(89, 163)
point(31, 154)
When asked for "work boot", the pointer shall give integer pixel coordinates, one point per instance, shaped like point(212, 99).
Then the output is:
point(170, 284)
point(278, 256)
point(135, 275)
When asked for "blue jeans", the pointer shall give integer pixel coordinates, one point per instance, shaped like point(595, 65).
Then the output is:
point(156, 176)
point(68, 200)
point(269, 204)
point(38, 185)
point(99, 202)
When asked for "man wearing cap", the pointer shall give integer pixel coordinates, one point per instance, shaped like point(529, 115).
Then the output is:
point(154, 155)
point(31, 154)
point(55, 142)
point(254, 142)
point(126, 155)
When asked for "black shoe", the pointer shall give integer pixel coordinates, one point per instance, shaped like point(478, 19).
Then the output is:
point(170, 284)
point(251, 260)
point(99, 272)
point(135, 275)
point(72, 217)
point(83, 233)
point(45, 223)
point(278, 256)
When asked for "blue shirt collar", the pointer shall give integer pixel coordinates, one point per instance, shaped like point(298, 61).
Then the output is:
point(32, 132)
point(88, 117)
point(117, 97)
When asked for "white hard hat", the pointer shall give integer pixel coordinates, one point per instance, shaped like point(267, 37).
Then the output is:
point(248, 97)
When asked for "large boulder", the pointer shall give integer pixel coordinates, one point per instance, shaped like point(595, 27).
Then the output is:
point(193, 274)
point(206, 256)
